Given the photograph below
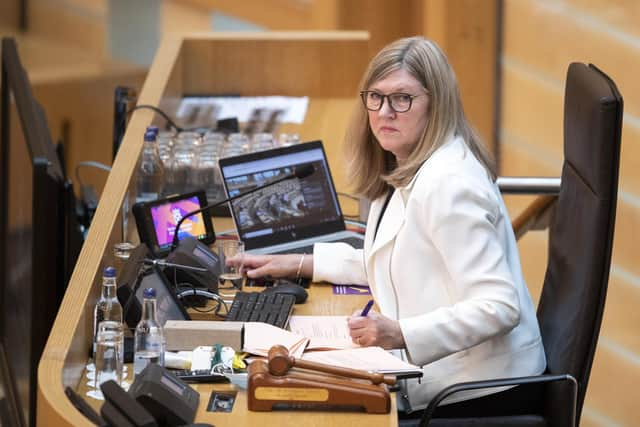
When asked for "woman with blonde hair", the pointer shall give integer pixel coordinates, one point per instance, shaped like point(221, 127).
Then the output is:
point(439, 254)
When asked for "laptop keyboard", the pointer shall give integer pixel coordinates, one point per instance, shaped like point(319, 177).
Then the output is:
point(274, 309)
point(353, 241)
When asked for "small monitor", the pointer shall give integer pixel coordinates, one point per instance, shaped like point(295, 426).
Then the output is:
point(156, 221)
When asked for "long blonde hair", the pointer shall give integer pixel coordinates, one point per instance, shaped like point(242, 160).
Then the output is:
point(373, 170)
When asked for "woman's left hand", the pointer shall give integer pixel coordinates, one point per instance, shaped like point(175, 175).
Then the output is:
point(375, 330)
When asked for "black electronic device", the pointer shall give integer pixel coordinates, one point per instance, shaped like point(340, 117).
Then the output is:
point(157, 221)
point(200, 376)
point(38, 242)
point(82, 406)
point(134, 278)
point(121, 409)
point(193, 253)
point(290, 288)
point(170, 400)
point(268, 282)
point(274, 309)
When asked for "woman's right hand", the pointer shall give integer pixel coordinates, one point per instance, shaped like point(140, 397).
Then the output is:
point(277, 265)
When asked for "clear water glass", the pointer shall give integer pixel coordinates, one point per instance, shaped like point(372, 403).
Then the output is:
point(109, 360)
point(261, 142)
point(230, 272)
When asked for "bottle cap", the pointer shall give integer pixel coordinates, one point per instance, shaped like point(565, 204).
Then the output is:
point(154, 129)
point(109, 272)
point(149, 293)
point(149, 136)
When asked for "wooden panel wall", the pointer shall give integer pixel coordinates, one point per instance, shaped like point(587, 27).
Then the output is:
point(323, 68)
point(277, 14)
point(9, 14)
point(78, 23)
point(541, 38)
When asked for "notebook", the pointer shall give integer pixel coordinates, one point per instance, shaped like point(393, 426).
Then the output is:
point(289, 216)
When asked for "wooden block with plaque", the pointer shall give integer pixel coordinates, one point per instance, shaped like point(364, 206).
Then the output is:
point(274, 385)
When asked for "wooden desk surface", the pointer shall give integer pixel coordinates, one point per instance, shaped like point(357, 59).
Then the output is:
point(321, 301)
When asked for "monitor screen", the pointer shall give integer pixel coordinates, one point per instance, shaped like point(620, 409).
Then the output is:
point(32, 229)
point(290, 210)
point(166, 216)
point(156, 221)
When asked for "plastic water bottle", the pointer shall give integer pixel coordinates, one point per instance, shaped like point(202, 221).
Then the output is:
point(108, 307)
point(150, 178)
point(154, 129)
point(149, 339)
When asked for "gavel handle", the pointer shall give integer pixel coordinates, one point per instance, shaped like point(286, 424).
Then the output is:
point(345, 372)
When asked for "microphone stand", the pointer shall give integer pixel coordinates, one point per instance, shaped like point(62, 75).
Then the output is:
point(176, 239)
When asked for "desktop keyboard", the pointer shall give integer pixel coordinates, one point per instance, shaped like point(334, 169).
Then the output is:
point(274, 309)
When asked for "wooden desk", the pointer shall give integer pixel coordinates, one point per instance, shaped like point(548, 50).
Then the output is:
point(320, 301)
point(324, 66)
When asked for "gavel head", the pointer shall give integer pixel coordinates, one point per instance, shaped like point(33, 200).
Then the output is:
point(279, 360)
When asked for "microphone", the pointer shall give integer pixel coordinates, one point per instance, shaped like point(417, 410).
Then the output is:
point(163, 263)
point(299, 172)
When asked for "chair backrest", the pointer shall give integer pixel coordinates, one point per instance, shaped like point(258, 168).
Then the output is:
point(581, 232)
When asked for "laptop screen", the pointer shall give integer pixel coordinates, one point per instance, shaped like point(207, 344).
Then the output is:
point(291, 210)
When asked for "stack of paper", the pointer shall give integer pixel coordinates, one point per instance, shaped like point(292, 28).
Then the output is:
point(373, 359)
point(260, 337)
point(329, 333)
point(324, 332)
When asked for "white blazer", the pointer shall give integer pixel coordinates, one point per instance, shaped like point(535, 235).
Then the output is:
point(445, 264)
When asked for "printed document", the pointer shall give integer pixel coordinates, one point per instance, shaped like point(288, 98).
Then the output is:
point(260, 337)
point(324, 332)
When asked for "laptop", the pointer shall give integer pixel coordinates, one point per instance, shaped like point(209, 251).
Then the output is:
point(288, 217)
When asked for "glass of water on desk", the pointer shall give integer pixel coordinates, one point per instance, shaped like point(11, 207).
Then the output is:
point(230, 273)
point(109, 360)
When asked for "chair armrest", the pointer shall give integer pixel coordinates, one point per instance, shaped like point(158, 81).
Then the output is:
point(528, 185)
point(502, 382)
point(536, 216)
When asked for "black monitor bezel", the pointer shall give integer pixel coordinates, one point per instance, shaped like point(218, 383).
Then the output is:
point(146, 230)
point(44, 292)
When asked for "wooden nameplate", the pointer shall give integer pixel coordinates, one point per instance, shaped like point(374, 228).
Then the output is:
point(273, 386)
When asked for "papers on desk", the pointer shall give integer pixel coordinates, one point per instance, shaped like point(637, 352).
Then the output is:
point(373, 359)
point(260, 337)
point(324, 332)
point(329, 333)
point(307, 333)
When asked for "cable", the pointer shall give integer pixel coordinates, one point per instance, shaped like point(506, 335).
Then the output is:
point(89, 163)
point(207, 294)
point(352, 197)
point(349, 196)
point(157, 110)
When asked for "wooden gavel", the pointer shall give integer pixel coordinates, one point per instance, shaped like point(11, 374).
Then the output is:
point(280, 362)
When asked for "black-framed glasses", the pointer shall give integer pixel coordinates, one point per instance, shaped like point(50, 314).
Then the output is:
point(399, 102)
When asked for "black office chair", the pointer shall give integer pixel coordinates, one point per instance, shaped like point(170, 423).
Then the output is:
point(580, 245)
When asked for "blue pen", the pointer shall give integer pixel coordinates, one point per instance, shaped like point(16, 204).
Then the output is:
point(366, 308)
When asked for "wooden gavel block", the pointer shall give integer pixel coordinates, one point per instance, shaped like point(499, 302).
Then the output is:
point(272, 385)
